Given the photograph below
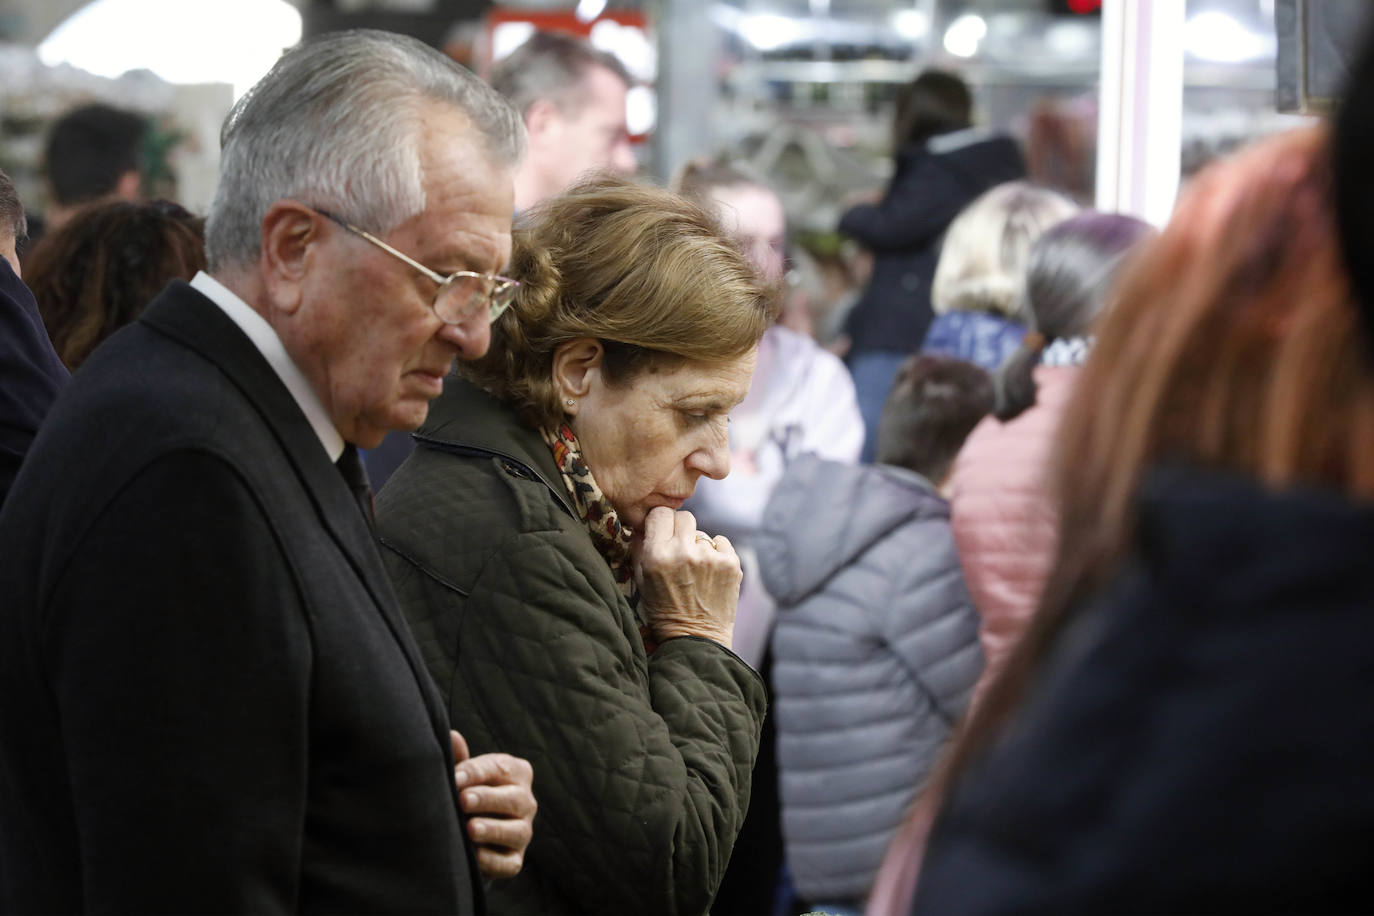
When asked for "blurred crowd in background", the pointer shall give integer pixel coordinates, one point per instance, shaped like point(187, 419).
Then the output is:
point(1051, 521)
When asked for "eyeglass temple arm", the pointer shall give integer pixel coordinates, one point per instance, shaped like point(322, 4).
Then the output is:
point(437, 278)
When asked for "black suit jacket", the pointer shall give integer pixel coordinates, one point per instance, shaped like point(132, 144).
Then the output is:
point(208, 698)
point(31, 375)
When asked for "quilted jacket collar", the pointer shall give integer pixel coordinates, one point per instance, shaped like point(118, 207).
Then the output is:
point(466, 418)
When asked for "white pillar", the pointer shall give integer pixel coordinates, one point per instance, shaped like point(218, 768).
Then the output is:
point(1140, 107)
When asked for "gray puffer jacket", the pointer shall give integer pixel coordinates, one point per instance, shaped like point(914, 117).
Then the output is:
point(875, 657)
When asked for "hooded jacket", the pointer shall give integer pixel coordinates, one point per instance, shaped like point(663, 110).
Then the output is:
point(1199, 738)
point(875, 657)
point(933, 181)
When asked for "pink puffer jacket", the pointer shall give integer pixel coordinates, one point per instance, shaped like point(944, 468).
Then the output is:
point(1003, 517)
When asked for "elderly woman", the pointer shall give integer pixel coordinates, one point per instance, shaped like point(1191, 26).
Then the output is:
point(565, 606)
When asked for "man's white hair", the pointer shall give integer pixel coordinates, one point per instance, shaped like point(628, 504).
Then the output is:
point(335, 124)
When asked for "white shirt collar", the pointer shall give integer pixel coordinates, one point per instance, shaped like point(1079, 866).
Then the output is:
point(270, 346)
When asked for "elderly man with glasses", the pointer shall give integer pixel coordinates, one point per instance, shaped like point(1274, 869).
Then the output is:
point(208, 696)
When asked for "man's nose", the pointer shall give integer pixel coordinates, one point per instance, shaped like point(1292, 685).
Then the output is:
point(471, 337)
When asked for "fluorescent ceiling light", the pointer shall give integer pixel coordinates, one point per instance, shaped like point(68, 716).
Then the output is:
point(768, 32)
point(209, 41)
point(964, 34)
point(587, 10)
point(1216, 36)
point(912, 25)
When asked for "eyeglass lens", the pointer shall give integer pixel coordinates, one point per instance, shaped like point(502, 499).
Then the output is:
point(465, 296)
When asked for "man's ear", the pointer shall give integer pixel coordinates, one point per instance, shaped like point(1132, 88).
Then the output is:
point(289, 231)
point(540, 117)
point(577, 364)
point(129, 186)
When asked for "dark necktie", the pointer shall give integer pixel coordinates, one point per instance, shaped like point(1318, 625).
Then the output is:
point(355, 475)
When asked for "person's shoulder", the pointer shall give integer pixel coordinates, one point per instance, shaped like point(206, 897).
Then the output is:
point(992, 155)
point(960, 141)
point(452, 512)
point(155, 389)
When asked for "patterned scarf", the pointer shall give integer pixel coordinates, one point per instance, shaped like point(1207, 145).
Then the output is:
point(1067, 351)
point(611, 538)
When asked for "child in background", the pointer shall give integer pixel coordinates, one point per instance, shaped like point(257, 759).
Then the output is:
point(875, 650)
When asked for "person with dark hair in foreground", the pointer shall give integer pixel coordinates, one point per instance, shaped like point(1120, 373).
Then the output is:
point(876, 645)
point(31, 375)
point(209, 699)
point(1185, 726)
point(100, 270)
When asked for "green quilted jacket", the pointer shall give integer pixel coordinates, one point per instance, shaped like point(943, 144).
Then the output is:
point(641, 763)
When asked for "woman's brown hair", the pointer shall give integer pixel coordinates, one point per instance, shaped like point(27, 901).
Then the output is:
point(101, 269)
point(1233, 344)
point(641, 269)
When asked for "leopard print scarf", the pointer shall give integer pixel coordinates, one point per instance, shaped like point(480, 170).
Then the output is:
point(612, 539)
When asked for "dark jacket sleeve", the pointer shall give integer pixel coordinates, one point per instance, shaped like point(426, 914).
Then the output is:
point(922, 201)
point(31, 375)
point(641, 768)
point(189, 799)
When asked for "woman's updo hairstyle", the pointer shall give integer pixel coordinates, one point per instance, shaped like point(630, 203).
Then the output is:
point(1069, 275)
point(643, 270)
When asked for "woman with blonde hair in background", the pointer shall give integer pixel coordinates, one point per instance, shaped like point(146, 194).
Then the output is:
point(979, 313)
point(1185, 726)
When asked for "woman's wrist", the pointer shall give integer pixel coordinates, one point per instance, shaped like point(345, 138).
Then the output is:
point(722, 635)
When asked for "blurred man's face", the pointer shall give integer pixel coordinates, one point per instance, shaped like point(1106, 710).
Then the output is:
point(754, 215)
point(592, 137)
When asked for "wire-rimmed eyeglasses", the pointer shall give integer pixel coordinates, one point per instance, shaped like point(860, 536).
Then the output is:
point(462, 295)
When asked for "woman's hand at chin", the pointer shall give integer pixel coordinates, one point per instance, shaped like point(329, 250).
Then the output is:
point(688, 582)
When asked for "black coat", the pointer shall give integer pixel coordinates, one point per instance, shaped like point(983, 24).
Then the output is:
point(932, 183)
point(208, 698)
point(31, 375)
point(1201, 738)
